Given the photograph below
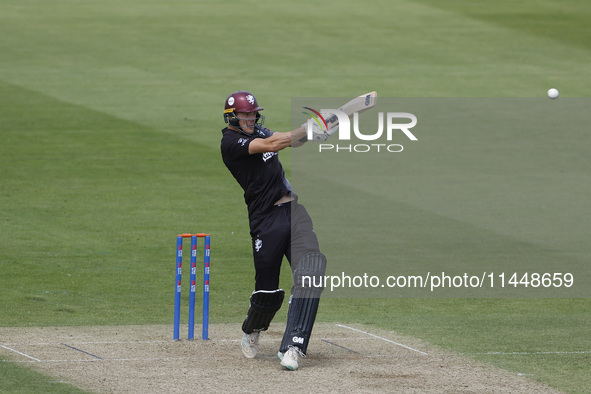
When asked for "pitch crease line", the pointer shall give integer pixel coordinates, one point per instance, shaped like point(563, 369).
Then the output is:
point(525, 353)
point(22, 354)
point(383, 339)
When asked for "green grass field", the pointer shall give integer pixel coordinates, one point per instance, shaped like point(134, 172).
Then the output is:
point(110, 114)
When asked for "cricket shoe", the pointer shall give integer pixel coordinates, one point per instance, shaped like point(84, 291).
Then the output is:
point(249, 344)
point(289, 359)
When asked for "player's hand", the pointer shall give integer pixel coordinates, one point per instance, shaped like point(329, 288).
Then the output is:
point(318, 134)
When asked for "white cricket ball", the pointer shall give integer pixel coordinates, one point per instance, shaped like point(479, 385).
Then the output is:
point(553, 93)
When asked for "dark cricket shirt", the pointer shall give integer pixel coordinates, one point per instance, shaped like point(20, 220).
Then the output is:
point(261, 175)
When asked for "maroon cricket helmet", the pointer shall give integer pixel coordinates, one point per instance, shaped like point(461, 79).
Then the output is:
point(242, 101)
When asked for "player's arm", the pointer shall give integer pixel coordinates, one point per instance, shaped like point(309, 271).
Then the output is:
point(278, 141)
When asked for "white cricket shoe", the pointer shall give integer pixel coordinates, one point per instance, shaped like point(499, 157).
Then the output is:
point(250, 343)
point(289, 359)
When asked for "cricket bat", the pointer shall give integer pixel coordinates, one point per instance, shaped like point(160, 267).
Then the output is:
point(358, 104)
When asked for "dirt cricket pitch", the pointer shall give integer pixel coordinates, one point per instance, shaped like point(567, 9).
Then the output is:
point(341, 358)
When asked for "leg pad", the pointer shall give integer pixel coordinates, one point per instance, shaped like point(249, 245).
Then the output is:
point(263, 306)
point(303, 306)
point(308, 276)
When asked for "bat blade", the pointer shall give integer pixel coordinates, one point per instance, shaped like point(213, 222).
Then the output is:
point(358, 104)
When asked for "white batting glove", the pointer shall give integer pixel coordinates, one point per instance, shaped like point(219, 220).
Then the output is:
point(318, 134)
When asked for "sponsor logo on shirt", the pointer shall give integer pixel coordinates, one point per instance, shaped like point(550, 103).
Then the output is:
point(268, 155)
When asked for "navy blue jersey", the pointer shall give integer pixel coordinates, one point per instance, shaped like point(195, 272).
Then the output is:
point(260, 175)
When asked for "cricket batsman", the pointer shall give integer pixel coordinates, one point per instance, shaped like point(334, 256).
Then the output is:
point(279, 226)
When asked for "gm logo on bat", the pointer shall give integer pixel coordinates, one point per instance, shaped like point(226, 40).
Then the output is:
point(394, 124)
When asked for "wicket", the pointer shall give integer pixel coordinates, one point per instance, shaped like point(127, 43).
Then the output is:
point(193, 277)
